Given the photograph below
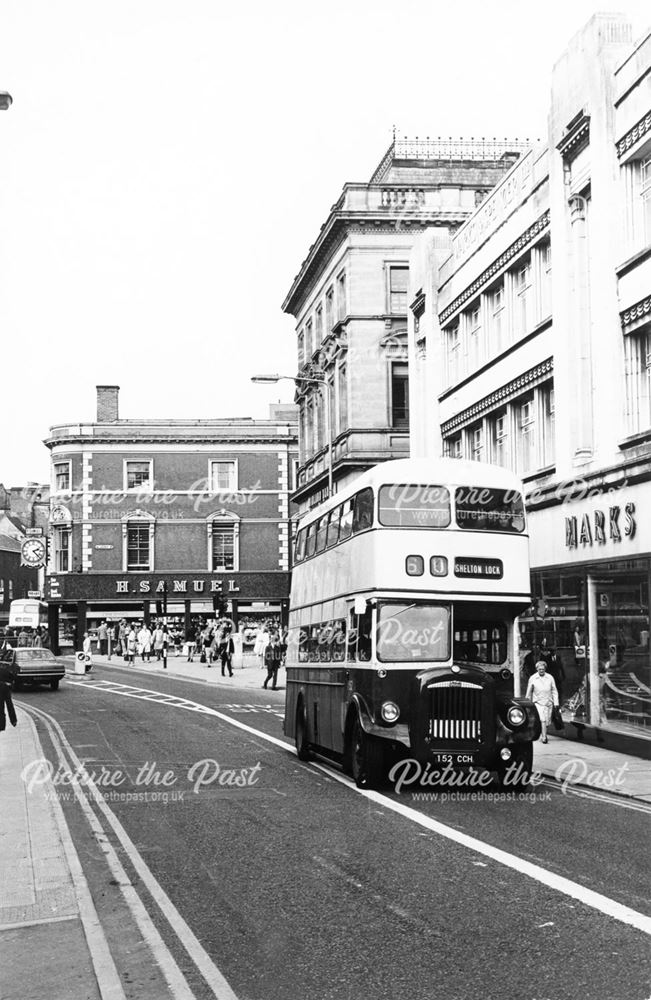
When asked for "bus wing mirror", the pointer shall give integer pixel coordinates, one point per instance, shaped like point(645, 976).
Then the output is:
point(360, 605)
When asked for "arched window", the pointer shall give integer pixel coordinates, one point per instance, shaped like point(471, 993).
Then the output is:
point(223, 542)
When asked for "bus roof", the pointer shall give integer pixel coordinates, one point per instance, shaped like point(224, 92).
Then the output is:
point(449, 472)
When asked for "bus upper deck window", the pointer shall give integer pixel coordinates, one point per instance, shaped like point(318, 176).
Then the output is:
point(346, 523)
point(479, 508)
point(300, 545)
point(333, 527)
point(322, 527)
point(363, 510)
point(410, 505)
point(310, 542)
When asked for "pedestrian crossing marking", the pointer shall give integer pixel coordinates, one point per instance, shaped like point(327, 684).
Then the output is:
point(175, 701)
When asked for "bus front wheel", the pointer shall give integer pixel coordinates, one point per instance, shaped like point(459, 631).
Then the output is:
point(302, 743)
point(366, 758)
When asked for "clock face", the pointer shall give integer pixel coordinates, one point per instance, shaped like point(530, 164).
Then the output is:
point(33, 552)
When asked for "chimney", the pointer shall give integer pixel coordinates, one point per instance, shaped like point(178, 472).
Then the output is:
point(107, 403)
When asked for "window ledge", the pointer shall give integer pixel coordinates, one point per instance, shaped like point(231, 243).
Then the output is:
point(548, 470)
point(638, 258)
point(634, 440)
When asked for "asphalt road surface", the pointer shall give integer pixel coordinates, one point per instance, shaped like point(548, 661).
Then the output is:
point(251, 875)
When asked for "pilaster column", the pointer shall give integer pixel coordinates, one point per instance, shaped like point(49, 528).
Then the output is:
point(579, 332)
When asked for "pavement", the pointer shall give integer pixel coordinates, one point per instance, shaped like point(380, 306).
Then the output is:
point(45, 903)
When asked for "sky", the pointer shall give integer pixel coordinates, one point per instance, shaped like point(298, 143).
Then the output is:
point(165, 168)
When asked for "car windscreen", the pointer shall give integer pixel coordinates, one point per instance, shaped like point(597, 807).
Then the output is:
point(33, 654)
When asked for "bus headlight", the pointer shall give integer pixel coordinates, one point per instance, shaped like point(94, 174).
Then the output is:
point(516, 716)
point(390, 712)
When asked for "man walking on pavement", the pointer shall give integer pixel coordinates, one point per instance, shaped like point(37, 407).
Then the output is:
point(273, 655)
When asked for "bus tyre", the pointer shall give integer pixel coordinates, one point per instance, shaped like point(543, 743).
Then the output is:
point(302, 744)
point(366, 757)
point(519, 769)
point(55, 684)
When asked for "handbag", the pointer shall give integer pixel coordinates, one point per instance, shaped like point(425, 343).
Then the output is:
point(557, 719)
point(202, 658)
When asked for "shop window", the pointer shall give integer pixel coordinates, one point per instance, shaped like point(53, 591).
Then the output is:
point(62, 548)
point(138, 475)
point(223, 476)
point(2, 591)
point(62, 476)
point(400, 395)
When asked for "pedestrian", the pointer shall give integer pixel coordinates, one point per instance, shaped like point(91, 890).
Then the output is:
point(542, 691)
point(6, 702)
point(87, 648)
point(165, 646)
point(158, 638)
point(261, 643)
point(102, 636)
point(123, 631)
point(23, 638)
point(226, 650)
point(144, 642)
point(190, 642)
point(272, 660)
point(132, 645)
point(46, 642)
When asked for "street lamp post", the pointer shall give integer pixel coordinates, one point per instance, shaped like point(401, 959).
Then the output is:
point(315, 379)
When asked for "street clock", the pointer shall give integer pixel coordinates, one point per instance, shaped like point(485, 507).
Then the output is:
point(33, 552)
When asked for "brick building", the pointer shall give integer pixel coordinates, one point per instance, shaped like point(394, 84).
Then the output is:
point(22, 509)
point(349, 300)
point(186, 518)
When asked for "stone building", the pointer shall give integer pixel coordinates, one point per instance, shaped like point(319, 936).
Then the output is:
point(349, 301)
point(178, 518)
point(529, 348)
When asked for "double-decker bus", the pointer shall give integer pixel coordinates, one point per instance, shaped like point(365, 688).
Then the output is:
point(402, 641)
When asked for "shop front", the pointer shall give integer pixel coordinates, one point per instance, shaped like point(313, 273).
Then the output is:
point(80, 602)
point(591, 566)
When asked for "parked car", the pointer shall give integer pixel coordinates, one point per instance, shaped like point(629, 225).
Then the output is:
point(32, 666)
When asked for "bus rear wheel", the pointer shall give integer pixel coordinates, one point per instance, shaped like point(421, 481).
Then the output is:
point(302, 743)
point(366, 758)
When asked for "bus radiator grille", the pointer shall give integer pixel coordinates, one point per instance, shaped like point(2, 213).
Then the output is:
point(456, 711)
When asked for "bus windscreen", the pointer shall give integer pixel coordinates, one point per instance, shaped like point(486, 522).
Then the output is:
point(413, 631)
point(479, 508)
point(408, 505)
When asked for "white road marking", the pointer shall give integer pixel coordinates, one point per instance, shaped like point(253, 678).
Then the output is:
point(177, 982)
point(595, 900)
point(108, 979)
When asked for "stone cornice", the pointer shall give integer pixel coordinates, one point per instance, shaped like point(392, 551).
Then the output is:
point(576, 138)
point(503, 395)
point(635, 313)
point(633, 135)
point(530, 234)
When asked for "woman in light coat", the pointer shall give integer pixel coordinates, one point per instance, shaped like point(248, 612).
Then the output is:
point(541, 689)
